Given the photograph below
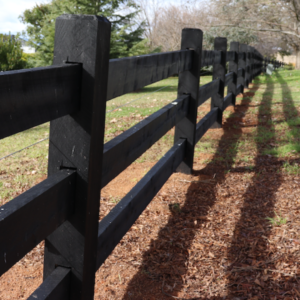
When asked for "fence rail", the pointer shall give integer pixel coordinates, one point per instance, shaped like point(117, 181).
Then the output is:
point(63, 210)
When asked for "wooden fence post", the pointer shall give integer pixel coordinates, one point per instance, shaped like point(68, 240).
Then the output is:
point(188, 83)
point(251, 61)
point(76, 142)
point(233, 67)
point(248, 66)
point(242, 64)
point(219, 71)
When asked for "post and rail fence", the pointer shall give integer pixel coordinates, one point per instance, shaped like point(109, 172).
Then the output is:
point(63, 210)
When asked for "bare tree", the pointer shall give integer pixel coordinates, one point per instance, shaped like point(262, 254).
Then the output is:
point(273, 20)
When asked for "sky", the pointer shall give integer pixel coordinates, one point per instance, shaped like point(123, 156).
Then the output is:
point(10, 12)
point(12, 9)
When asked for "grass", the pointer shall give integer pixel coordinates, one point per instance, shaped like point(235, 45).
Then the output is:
point(277, 220)
point(275, 104)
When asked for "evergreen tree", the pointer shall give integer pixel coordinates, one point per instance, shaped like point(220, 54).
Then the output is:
point(126, 35)
point(10, 53)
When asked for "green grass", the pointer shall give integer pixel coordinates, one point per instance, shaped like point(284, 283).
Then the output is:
point(274, 107)
point(277, 220)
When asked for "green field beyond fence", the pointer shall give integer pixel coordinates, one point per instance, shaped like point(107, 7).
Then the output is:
point(274, 106)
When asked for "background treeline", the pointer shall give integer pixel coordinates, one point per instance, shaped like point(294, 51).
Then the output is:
point(146, 26)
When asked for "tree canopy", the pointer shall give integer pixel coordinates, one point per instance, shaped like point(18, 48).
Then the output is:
point(10, 53)
point(126, 36)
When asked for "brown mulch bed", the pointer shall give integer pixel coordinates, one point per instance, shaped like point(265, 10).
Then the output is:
point(204, 236)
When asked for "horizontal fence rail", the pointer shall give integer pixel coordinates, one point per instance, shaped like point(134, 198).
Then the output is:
point(33, 215)
point(208, 90)
point(132, 73)
point(73, 96)
point(132, 143)
point(115, 225)
point(35, 96)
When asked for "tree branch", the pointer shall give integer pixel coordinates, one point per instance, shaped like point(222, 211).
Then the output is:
point(261, 29)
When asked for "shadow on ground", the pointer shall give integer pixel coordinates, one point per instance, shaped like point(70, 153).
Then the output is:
point(165, 264)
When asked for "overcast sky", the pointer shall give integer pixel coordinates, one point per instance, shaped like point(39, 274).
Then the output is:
point(10, 10)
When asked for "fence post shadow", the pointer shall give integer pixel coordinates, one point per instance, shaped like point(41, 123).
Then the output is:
point(250, 256)
point(192, 209)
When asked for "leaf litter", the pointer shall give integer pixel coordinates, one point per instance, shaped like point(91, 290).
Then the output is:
point(207, 235)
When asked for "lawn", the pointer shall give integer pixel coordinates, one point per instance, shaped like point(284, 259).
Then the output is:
point(228, 231)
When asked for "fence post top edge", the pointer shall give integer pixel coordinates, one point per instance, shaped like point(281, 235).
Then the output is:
point(83, 18)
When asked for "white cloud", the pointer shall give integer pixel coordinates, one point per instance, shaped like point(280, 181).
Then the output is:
point(10, 12)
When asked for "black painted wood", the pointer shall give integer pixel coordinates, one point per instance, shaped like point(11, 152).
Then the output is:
point(227, 101)
point(132, 73)
point(252, 66)
point(27, 220)
point(208, 90)
point(188, 83)
point(35, 96)
point(219, 71)
point(242, 65)
point(55, 287)
point(229, 78)
point(242, 55)
point(129, 145)
point(233, 68)
point(77, 141)
point(239, 89)
point(206, 122)
point(248, 66)
point(231, 55)
point(240, 72)
point(119, 220)
point(208, 58)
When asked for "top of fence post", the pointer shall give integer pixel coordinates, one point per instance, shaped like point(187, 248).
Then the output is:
point(77, 142)
point(188, 83)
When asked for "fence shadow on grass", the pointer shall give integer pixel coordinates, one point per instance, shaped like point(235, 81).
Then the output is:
point(165, 264)
point(249, 253)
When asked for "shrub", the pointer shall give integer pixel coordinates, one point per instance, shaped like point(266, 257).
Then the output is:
point(289, 67)
point(10, 53)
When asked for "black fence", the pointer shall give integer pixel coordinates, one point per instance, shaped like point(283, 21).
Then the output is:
point(63, 210)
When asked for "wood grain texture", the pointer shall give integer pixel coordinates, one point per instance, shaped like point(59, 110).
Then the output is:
point(132, 73)
point(188, 83)
point(119, 220)
point(34, 96)
point(77, 141)
point(208, 90)
point(129, 145)
point(206, 122)
point(29, 218)
point(55, 287)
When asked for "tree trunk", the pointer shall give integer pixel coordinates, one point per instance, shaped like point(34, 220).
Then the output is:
point(298, 60)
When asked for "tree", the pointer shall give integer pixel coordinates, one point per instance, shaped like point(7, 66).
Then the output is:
point(10, 53)
point(166, 23)
point(126, 36)
point(272, 20)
